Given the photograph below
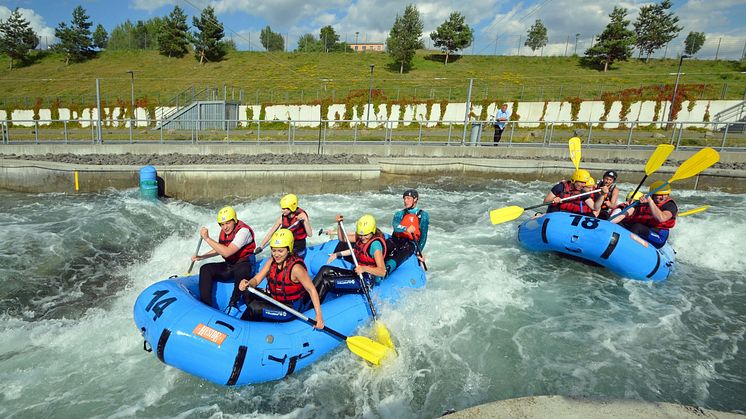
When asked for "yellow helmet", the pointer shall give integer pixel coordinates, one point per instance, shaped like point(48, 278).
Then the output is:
point(637, 195)
point(366, 225)
point(282, 238)
point(665, 190)
point(227, 213)
point(581, 175)
point(290, 202)
point(590, 182)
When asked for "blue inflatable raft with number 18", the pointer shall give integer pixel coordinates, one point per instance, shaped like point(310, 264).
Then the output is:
point(221, 348)
point(599, 242)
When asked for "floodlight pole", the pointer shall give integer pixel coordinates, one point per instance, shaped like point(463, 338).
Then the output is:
point(370, 93)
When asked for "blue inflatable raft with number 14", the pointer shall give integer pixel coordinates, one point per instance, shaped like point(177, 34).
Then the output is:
point(221, 348)
point(598, 242)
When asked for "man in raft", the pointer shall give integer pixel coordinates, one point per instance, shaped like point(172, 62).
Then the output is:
point(654, 217)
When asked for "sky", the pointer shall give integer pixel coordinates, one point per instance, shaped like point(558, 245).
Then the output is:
point(500, 26)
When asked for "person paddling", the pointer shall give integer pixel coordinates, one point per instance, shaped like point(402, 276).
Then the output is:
point(579, 181)
point(288, 282)
point(235, 244)
point(295, 219)
point(653, 219)
point(610, 198)
point(411, 226)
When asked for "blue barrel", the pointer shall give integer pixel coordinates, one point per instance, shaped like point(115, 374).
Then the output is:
point(148, 182)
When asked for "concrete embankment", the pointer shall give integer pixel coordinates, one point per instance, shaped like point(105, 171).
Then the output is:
point(196, 172)
point(560, 407)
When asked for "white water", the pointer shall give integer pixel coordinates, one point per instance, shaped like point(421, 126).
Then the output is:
point(494, 321)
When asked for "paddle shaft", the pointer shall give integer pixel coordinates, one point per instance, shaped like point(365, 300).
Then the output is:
point(295, 313)
point(419, 253)
point(196, 252)
point(569, 198)
point(363, 285)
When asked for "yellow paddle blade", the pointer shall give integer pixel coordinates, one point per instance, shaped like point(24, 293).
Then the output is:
point(382, 335)
point(501, 215)
point(693, 211)
point(367, 349)
point(574, 145)
point(658, 157)
point(696, 164)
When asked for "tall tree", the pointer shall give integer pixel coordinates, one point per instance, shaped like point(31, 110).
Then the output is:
point(271, 41)
point(173, 40)
point(452, 35)
point(100, 37)
point(537, 36)
point(309, 43)
point(616, 41)
point(694, 42)
point(328, 37)
point(75, 40)
point(208, 39)
point(404, 37)
point(655, 27)
point(16, 37)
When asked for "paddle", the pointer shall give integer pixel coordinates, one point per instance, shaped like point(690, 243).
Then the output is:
point(574, 145)
point(196, 252)
point(361, 346)
point(419, 253)
point(694, 165)
point(693, 211)
point(655, 161)
point(382, 334)
point(501, 215)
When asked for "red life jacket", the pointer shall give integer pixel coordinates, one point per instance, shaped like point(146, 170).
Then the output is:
point(644, 216)
point(361, 251)
point(299, 231)
point(242, 253)
point(408, 220)
point(576, 206)
point(281, 286)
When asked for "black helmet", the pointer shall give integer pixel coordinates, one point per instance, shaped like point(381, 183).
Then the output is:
point(411, 192)
point(611, 174)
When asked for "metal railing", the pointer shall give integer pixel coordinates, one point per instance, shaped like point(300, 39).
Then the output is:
point(608, 134)
point(734, 113)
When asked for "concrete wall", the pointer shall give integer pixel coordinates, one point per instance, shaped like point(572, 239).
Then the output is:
point(528, 111)
point(210, 182)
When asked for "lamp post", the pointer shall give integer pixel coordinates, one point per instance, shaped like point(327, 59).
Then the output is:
point(577, 35)
point(370, 93)
point(676, 86)
point(132, 85)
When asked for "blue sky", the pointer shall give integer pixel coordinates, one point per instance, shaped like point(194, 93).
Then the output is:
point(500, 25)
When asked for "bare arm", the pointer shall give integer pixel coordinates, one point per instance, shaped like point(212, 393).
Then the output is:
point(220, 249)
point(301, 275)
point(256, 279)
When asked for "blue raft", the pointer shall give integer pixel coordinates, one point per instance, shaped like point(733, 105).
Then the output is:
point(221, 348)
point(597, 241)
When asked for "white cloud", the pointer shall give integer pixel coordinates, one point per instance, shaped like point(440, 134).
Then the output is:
point(36, 21)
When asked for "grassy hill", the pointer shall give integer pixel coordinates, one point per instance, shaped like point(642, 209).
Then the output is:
point(259, 77)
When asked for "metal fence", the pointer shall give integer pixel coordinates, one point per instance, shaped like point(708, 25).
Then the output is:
point(611, 134)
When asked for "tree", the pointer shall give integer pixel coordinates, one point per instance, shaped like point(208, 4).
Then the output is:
point(100, 37)
point(328, 37)
point(17, 38)
point(616, 41)
point(309, 43)
point(208, 40)
point(452, 35)
point(75, 40)
point(537, 36)
point(655, 27)
point(694, 42)
point(404, 37)
point(173, 40)
point(271, 41)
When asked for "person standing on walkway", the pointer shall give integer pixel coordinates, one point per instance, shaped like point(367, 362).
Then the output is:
point(501, 119)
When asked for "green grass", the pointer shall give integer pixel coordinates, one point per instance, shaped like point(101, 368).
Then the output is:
point(259, 77)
